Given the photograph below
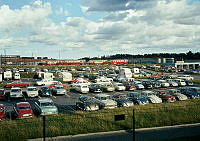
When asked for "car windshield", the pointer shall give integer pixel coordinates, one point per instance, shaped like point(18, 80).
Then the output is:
point(24, 108)
point(16, 90)
point(59, 87)
point(47, 104)
point(32, 89)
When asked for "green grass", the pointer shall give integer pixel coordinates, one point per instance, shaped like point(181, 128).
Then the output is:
point(152, 115)
point(196, 81)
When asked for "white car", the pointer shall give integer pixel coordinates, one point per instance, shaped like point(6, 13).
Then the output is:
point(152, 97)
point(119, 87)
point(45, 82)
point(163, 83)
point(32, 92)
point(59, 90)
point(82, 88)
point(172, 83)
point(180, 82)
point(186, 77)
point(105, 101)
point(16, 92)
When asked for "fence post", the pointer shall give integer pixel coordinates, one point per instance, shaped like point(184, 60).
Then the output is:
point(44, 128)
point(133, 125)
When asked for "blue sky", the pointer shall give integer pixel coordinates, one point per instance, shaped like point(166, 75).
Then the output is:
point(80, 28)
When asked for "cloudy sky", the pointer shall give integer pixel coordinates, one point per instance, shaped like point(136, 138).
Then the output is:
point(78, 28)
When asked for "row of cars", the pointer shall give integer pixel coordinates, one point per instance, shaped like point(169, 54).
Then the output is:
point(100, 101)
point(32, 91)
point(44, 106)
point(108, 85)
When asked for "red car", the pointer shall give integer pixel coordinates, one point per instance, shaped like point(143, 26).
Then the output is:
point(2, 94)
point(23, 110)
point(129, 86)
point(165, 96)
point(17, 84)
point(2, 112)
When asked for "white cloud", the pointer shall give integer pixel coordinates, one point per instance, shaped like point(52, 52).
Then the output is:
point(143, 29)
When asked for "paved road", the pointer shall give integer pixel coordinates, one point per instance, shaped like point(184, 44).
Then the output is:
point(151, 134)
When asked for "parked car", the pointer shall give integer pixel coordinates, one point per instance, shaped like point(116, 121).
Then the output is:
point(46, 106)
point(191, 92)
point(3, 94)
point(82, 88)
point(189, 83)
point(163, 83)
point(59, 90)
point(122, 100)
point(105, 101)
point(2, 112)
point(108, 87)
point(16, 92)
point(95, 88)
point(177, 94)
point(165, 96)
point(180, 82)
point(147, 84)
point(186, 91)
point(86, 103)
point(186, 77)
point(155, 84)
point(32, 92)
point(137, 98)
point(45, 82)
point(16, 84)
point(23, 110)
point(119, 87)
point(172, 83)
point(152, 97)
point(138, 85)
point(45, 91)
point(129, 86)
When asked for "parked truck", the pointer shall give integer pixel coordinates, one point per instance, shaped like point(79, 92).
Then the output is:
point(47, 76)
point(7, 75)
point(65, 76)
point(125, 72)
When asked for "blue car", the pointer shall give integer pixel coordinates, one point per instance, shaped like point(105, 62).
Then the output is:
point(191, 92)
point(138, 98)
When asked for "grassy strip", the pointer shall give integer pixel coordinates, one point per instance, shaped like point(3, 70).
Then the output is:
point(196, 81)
point(152, 115)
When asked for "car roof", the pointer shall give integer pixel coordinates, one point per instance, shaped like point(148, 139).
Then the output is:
point(15, 88)
point(45, 100)
point(22, 104)
point(31, 87)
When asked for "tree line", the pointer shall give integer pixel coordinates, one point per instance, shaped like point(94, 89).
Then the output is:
point(177, 56)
